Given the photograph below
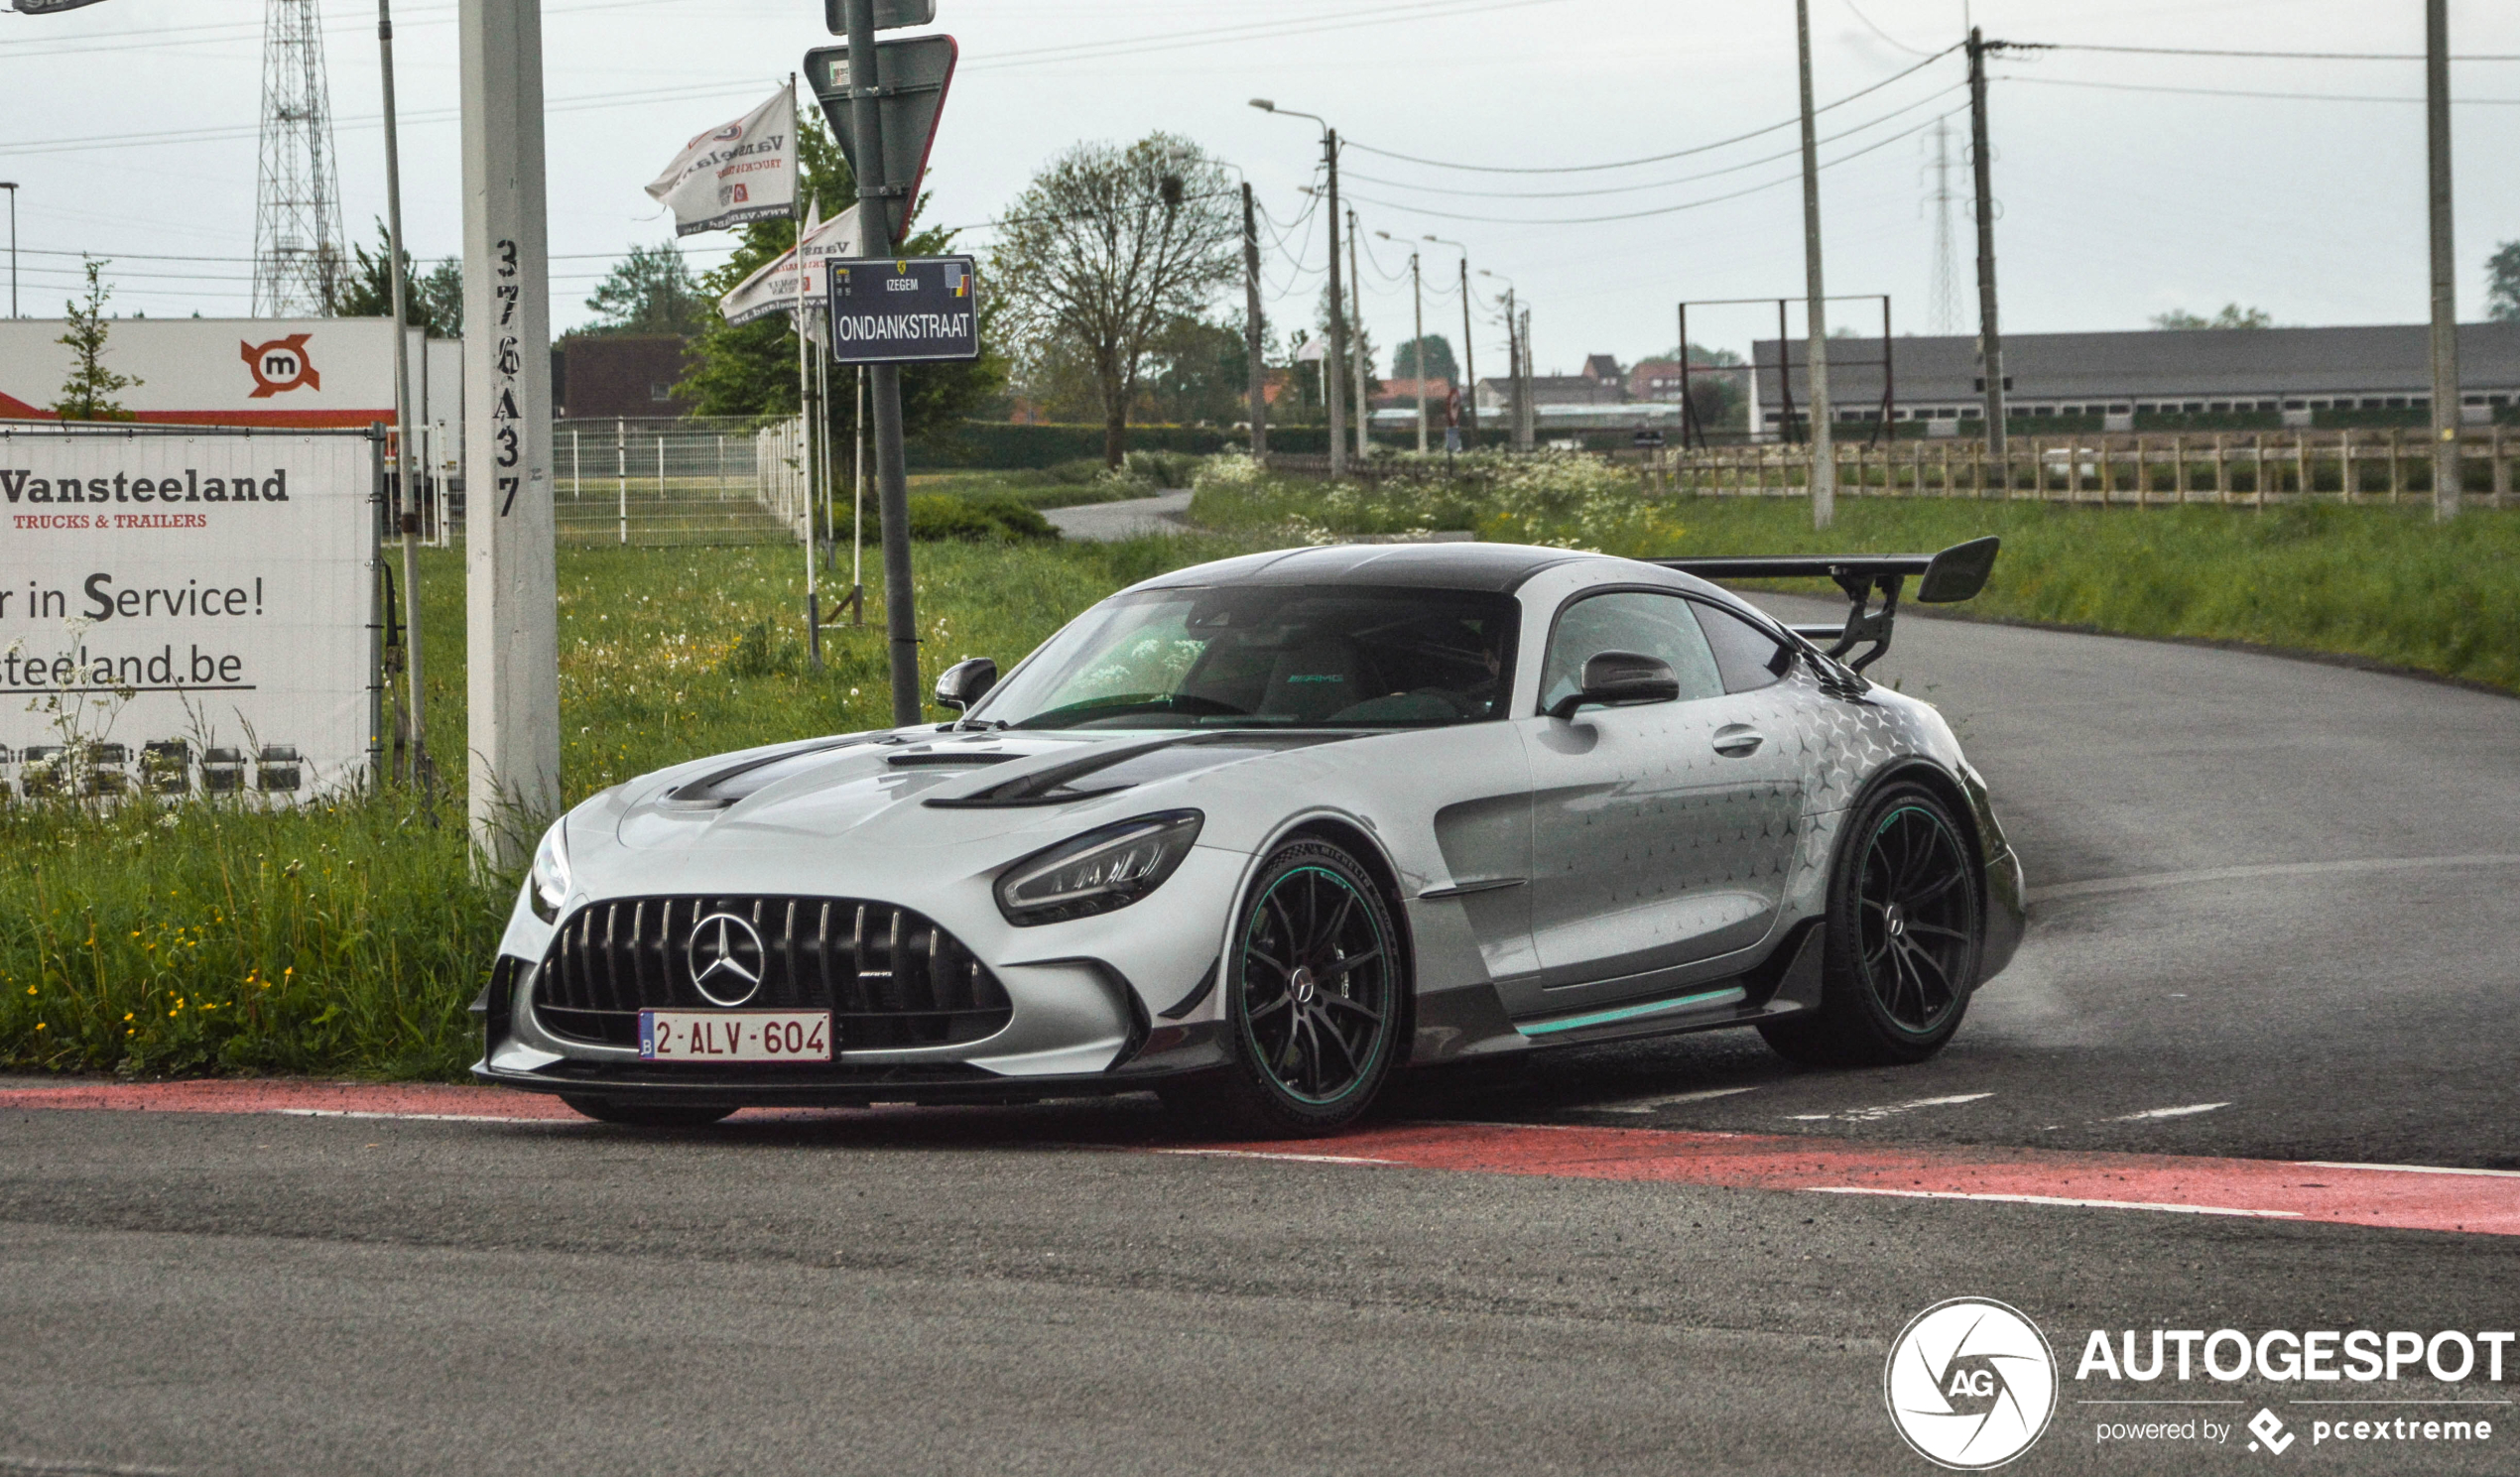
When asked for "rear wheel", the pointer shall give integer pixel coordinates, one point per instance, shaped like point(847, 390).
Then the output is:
point(1906, 926)
point(645, 1115)
point(1314, 997)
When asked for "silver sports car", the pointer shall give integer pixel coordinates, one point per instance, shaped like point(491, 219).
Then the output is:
point(1259, 833)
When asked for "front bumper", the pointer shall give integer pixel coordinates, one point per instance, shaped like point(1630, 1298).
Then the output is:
point(1103, 1004)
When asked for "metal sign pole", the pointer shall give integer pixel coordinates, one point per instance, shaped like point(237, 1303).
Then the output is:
point(407, 490)
point(892, 488)
point(512, 630)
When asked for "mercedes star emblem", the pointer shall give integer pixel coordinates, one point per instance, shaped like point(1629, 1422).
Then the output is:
point(726, 958)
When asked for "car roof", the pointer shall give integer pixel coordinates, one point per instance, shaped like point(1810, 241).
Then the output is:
point(1500, 568)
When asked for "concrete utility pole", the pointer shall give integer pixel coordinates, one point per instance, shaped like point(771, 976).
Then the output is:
point(1252, 336)
point(1470, 360)
point(883, 381)
point(1824, 449)
point(512, 625)
point(406, 425)
point(2446, 413)
point(1418, 308)
point(1357, 343)
point(11, 186)
point(1990, 340)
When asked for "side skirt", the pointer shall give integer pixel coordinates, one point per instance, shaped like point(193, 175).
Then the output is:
point(1786, 983)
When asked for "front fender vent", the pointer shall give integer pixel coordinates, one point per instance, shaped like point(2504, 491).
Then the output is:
point(891, 978)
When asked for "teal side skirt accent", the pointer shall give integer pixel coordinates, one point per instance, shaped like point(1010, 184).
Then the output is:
point(1733, 996)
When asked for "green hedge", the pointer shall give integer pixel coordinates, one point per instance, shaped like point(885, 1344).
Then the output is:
point(1000, 445)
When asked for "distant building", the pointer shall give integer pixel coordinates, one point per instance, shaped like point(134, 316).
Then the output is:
point(1552, 390)
point(1403, 394)
point(2296, 373)
point(603, 377)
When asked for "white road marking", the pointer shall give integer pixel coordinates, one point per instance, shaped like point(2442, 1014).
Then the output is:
point(1649, 1104)
point(1954, 1195)
point(1301, 1159)
point(411, 1117)
point(2321, 1164)
point(2191, 1108)
point(1888, 1110)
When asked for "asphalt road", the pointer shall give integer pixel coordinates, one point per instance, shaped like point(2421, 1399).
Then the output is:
point(2220, 843)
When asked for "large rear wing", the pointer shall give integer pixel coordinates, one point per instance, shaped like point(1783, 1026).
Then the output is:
point(1956, 574)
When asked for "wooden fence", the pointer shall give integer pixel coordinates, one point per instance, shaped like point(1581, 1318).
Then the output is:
point(2249, 467)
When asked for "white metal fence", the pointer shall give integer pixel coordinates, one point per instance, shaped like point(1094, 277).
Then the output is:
point(664, 482)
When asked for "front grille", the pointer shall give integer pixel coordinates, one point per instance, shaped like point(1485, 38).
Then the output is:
point(890, 977)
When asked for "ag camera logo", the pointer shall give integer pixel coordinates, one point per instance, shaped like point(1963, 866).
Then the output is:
point(1972, 1384)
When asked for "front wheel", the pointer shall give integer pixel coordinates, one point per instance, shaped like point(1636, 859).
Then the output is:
point(1905, 928)
point(645, 1115)
point(1316, 993)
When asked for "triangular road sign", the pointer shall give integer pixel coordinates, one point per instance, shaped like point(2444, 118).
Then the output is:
point(914, 72)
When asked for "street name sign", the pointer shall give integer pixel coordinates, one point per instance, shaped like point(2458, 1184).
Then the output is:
point(915, 72)
point(903, 311)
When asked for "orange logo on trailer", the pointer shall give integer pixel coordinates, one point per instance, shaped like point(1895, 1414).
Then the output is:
point(280, 365)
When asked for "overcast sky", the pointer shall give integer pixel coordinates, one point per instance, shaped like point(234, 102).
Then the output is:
point(2129, 183)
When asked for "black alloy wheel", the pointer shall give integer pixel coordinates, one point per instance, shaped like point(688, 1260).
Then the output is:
point(1915, 917)
point(1314, 999)
point(1906, 924)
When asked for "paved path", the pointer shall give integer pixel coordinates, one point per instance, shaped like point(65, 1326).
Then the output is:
point(1103, 522)
point(2276, 924)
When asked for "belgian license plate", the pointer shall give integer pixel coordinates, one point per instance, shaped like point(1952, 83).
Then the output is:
point(735, 1036)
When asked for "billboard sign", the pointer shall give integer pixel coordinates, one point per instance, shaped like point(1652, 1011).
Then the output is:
point(186, 612)
point(275, 372)
point(903, 311)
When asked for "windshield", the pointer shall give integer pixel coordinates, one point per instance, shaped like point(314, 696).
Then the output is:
point(1269, 656)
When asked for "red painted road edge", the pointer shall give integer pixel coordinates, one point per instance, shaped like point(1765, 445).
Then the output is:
point(2404, 1198)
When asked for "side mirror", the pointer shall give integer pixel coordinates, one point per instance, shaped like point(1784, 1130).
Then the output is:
point(1958, 572)
point(1619, 677)
point(965, 682)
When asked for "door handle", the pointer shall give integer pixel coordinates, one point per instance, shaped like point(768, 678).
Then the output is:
point(1738, 741)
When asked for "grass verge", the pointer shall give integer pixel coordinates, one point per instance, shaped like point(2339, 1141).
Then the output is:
point(348, 940)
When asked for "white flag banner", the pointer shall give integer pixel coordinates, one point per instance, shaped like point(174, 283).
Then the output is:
point(1310, 350)
point(779, 286)
point(743, 171)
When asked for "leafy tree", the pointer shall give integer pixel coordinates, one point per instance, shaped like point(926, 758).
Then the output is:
point(433, 301)
point(751, 370)
point(1434, 348)
point(650, 290)
point(2502, 284)
point(88, 394)
point(2233, 315)
point(1109, 247)
point(1198, 372)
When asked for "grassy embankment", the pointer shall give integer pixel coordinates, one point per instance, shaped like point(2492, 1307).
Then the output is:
point(2377, 582)
point(348, 939)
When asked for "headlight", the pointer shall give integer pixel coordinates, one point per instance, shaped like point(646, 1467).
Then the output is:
point(548, 887)
point(1098, 871)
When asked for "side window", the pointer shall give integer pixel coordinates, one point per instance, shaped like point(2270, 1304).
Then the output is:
point(1640, 621)
point(1748, 657)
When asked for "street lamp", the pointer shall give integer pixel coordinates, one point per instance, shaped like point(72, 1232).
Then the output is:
point(1470, 359)
point(1339, 325)
point(1518, 356)
point(1418, 301)
point(11, 186)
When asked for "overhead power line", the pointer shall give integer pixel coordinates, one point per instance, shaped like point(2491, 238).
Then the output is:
point(1661, 210)
point(1625, 163)
point(2068, 46)
point(2245, 92)
point(1730, 169)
